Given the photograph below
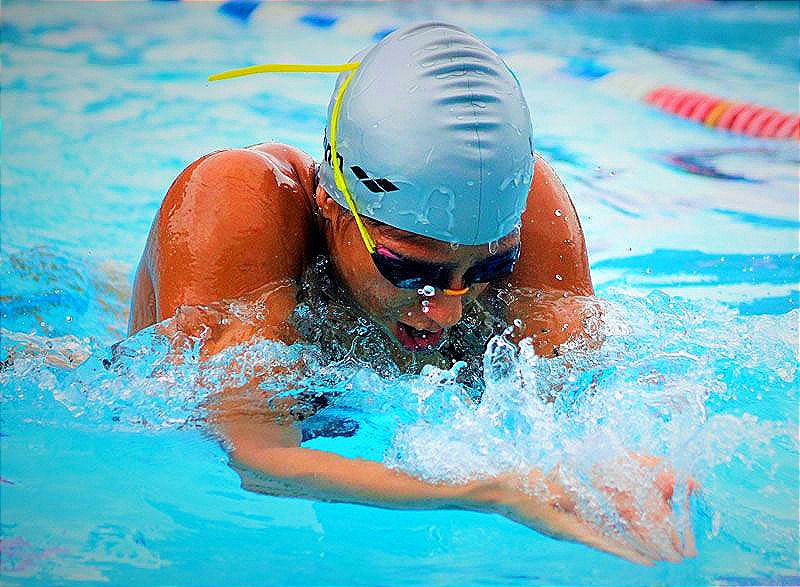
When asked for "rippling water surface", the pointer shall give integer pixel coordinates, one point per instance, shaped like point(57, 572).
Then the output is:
point(109, 473)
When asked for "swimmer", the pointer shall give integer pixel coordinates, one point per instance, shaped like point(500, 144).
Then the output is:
point(429, 197)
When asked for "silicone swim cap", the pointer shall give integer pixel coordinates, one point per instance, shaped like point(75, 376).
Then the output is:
point(434, 136)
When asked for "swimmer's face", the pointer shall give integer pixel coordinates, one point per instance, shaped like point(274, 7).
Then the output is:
point(414, 324)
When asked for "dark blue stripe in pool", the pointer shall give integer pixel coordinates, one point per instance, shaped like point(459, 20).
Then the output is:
point(239, 9)
point(318, 20)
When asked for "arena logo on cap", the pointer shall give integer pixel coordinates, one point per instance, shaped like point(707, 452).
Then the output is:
point(374, 184)
point(328, 155)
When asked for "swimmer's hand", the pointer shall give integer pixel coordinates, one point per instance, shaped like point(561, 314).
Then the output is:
point(543, 503)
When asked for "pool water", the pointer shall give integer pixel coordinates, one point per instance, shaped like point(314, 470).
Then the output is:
point(109, 473)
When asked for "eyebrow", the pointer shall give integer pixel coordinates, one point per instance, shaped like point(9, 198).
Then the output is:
point(512, 252)
point(420, 260)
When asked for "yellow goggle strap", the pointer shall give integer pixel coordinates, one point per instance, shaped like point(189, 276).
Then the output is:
point(338, 176)
point(284, 68)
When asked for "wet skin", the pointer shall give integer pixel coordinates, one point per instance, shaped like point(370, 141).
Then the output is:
point(243, 224)
point(237, 220)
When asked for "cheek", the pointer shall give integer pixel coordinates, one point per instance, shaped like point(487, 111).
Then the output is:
point(370, 290)
point(386, 301)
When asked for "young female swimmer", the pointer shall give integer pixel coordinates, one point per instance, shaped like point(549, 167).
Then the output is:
point(428, 142)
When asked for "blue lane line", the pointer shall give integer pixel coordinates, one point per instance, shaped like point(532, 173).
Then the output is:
point(319, 20)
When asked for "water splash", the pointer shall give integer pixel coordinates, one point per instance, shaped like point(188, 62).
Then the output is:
point(711, 393)
point(673, 379)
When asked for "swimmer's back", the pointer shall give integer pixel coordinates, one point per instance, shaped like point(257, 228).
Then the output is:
point(231, 222)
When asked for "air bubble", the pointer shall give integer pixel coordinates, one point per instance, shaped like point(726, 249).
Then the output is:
point(558, 277)
point(68, 318)
point(427, 291)
point(558, 212)
point(454, 246)
point(492, 247)
point(518, 323)
point(506, 296)
point(426, 306)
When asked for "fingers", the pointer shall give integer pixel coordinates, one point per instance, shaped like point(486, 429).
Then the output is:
point(572, 528)
point(615, 547)
point(667, 520)
point(689, 544)
point(675, 540)
point(543, 515)
point(650, 528)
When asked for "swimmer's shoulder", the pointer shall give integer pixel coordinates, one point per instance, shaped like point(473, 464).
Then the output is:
point(553, 253)
point(232, 221)
point(549, 205)
point(294, 164)
point(264, 187)
point(273, 176)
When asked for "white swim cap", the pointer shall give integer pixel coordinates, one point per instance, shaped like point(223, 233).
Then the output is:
point(434, 136)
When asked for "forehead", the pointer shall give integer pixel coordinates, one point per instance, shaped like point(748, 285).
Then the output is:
point(423, 247)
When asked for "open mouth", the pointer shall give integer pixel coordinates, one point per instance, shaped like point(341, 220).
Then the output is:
point(416, 340)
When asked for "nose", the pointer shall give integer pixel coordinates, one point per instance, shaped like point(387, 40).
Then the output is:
point(445, 310)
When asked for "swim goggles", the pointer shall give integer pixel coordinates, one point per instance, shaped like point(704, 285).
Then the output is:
point(400, 271)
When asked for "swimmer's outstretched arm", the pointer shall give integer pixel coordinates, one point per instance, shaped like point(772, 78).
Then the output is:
point(269, 460)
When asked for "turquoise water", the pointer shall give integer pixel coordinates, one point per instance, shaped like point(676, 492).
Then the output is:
point(108, 471)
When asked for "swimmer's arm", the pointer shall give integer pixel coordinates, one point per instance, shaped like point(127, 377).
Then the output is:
point(553, 266)
point(269, 460)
